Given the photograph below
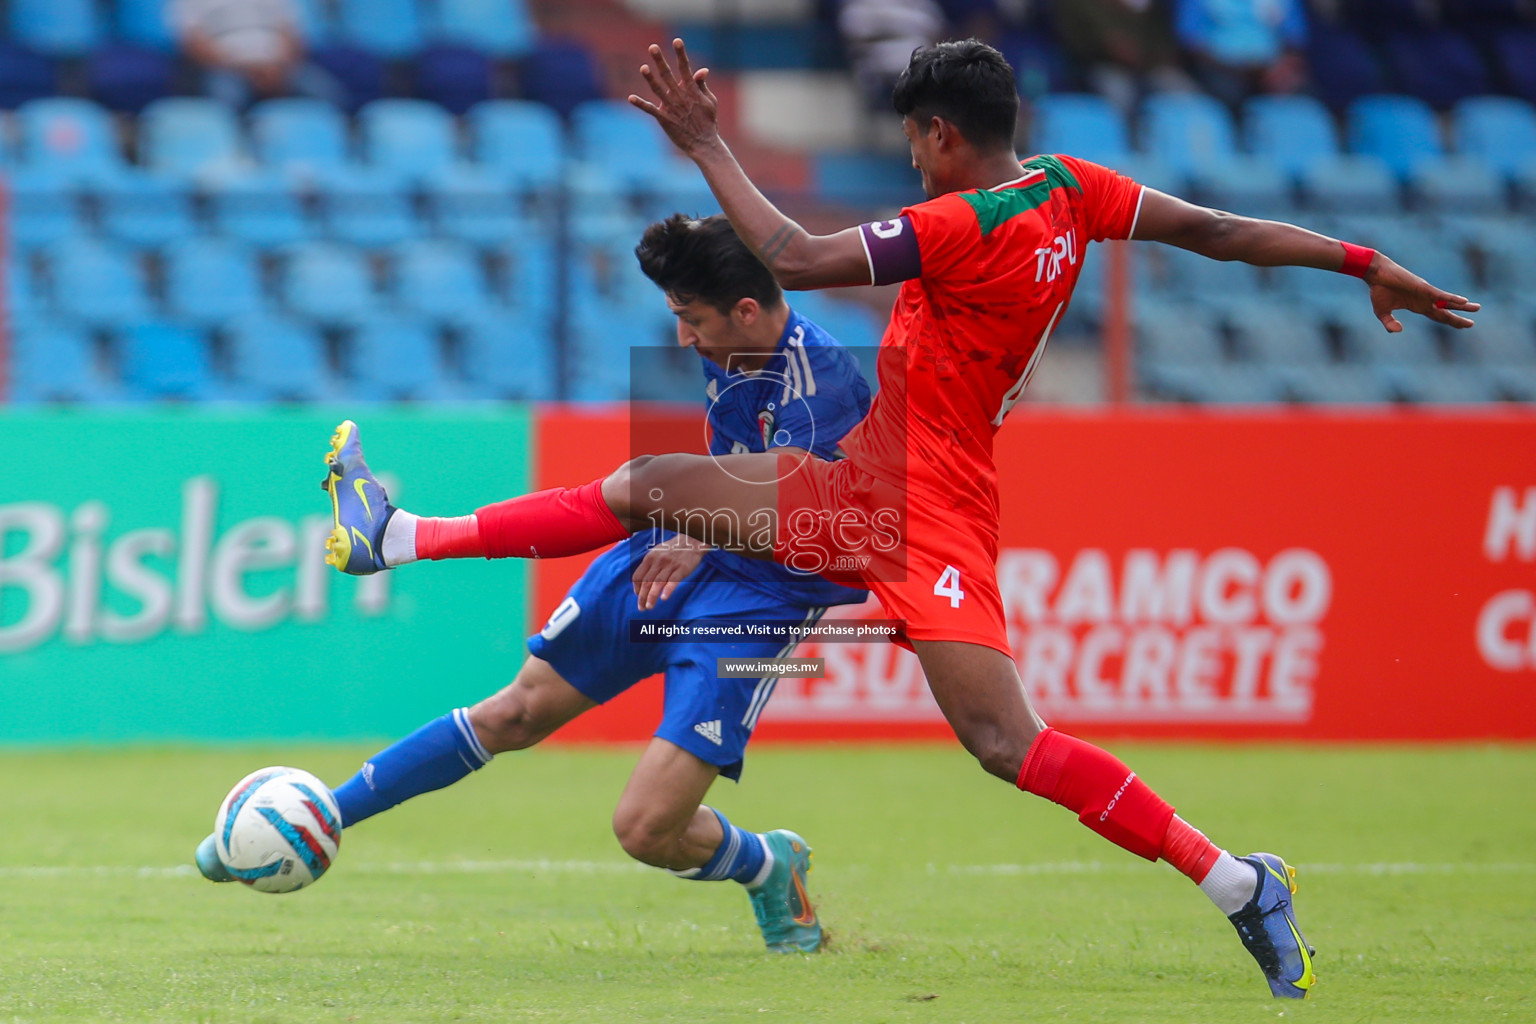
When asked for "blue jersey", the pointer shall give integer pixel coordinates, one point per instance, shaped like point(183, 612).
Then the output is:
point(809, 395)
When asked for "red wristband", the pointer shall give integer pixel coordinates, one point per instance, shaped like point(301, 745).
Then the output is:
point(1357, 259)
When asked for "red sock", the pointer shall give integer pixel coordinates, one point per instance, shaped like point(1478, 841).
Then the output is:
point(457, 537)
point(1186, 848)
point(1107, 796)
point(550, 524)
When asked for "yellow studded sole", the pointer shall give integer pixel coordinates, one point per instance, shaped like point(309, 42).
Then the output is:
point(338, 546)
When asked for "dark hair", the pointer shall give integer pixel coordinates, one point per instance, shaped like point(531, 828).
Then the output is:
point(967, 83)
point(704, 259)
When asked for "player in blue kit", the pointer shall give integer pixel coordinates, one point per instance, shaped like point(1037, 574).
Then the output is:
point(774, 382)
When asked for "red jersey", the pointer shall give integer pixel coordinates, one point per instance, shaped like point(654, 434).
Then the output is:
point(988, 274)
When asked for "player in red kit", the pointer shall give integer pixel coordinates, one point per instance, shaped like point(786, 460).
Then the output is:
point(988, 265)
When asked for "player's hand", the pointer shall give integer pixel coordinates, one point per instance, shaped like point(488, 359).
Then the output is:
point(1394, 288)
point(685, 108)
point(664, 567)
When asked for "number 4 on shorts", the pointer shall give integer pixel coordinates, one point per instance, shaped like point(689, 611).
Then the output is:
point(949, 586)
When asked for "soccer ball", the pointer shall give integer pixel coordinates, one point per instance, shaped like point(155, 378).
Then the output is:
point(278, 830)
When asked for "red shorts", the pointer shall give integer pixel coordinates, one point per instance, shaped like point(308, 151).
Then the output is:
point(929, 568)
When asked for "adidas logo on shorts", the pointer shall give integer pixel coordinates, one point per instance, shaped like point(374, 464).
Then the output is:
point(710, 731)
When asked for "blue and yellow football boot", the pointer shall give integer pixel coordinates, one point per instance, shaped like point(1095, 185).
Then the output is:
point(208, 863)
point(359, 507)
point(783, 908)
point(1267, 926)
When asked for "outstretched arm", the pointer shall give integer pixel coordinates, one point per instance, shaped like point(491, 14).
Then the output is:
point(687, 112)
point(1269, 243)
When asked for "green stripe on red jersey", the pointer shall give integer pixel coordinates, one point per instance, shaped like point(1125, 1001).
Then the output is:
point(995, 208)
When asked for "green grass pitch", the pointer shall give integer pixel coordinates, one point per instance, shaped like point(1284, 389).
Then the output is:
point(950, 896)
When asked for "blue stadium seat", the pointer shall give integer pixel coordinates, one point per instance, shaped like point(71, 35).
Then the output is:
point(275, 358)
point(68, 137)
point(397, 358)
point(44, 208)
point(24, 76)
point(187, 136)
point(317, 20)
point(507, 355)
point(1200, 278)
point(1229, 384)
point(129, 78)
point(626, 143)
point(1338, 384)
point(1174, 332)
point(302, 135)
point(327, 283)
point(598, 353)
point(521, 139)
point(164, 360)
point(1344, 66)
point(23, 298)
point(858, 178)
point(362, 75)
point(1365, 340)
point(145, 23)
point(1457, 186)
point(97, 283)
point(411, 137)
point(858, 327)
point(1153, 173)
point(1278, 333)
point(529, 266)
point(211, 280)
point(1248, 185)
point(454, 77)
point(1498, 130)
point(54, 361)
point(1438, 65)
point(852, 323)
point(470, 203)
point(144, 209)
point(1441, 385)
point(561, 74)
point(61, 28)
point(367, 207)
point(1350, 183)
point(1080, 124)
point(1508, 253)
point(1503, 337)
point(389, 28)
point(1319, 293)
point(1292, 132)
point(1398, 130)
point(500, 27)
point(1186, 130)
point(440, 280)
point(264, 208)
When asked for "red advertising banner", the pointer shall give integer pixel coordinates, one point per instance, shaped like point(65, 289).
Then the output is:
point(1281, 575)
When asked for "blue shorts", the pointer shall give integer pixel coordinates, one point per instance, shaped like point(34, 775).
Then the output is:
point(587, 640)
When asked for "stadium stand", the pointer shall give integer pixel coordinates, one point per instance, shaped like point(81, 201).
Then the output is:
point(476, 202)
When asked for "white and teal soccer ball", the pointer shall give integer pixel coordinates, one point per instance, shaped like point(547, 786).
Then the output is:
point(278, 830)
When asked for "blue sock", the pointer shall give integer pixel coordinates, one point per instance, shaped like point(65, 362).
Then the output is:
point(741, 857)
point(438, 754)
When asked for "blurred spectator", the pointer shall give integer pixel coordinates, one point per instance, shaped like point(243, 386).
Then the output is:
point(1240, 47)
point(249, 50)
point(880, 36)
point(1126, 47)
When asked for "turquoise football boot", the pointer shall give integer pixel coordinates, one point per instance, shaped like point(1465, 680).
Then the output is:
point(208, 862)
point(781, 904)
point(1267, 926)
point(359, 507)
